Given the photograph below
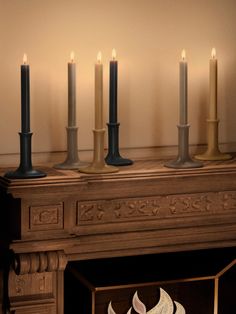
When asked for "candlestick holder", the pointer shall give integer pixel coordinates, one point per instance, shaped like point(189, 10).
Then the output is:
point(213, 152)
point(183, 161)
point(72, 160)
point(25, 169)
point(98, 165)
point(113, 156)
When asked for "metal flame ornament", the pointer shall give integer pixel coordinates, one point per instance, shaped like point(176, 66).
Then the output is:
point(138, 305)
point(165, 305)
point(179, 308)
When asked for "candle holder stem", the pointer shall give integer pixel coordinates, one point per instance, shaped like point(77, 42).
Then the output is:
point(113, 156)
point(183, 159)
point(213, 152)
point(98, 165)
point(72, 160)
point(25, 169)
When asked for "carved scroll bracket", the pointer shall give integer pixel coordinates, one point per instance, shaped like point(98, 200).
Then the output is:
point(29, 263)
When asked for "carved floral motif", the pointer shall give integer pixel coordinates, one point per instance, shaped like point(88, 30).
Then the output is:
point(155, 207)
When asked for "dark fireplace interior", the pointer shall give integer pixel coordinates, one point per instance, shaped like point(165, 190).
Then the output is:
point(202, 281)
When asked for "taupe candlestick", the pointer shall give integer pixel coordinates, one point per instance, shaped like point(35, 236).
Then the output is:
point(99, 165)
point(72, 160)
point(213, 152)
point(72, 91)
point(183, 89)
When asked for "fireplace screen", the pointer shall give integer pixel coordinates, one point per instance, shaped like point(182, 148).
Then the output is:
point(198, 282)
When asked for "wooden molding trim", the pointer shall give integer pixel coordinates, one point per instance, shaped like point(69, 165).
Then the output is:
point(29, 263)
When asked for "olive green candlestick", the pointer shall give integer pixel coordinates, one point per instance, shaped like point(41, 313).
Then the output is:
point(213, 152)
point(98, 165)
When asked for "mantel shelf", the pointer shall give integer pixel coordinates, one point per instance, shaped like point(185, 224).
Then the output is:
point(145, 208)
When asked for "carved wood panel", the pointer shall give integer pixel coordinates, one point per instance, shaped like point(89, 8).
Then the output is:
point(46, 217)
point(156, 207)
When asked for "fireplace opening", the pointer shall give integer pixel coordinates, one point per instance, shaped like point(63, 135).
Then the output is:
point(194, 282)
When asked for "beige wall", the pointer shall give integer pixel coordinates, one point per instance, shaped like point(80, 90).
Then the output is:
point(148, 36)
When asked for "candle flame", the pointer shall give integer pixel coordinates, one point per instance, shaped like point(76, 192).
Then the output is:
point(113, 54)
point(213, 53)
point(72, 56)
point(99, 57)
point(183, 54)
point(25, 58)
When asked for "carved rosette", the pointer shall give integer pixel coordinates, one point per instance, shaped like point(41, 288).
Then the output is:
point(29, 263)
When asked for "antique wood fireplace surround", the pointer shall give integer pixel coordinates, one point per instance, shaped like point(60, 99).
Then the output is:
point(69, 216)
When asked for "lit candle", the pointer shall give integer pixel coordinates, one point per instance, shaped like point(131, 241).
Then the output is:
point(25, 96)
point(99, 92)
point(183, 89)
point(72, 91)
point(213, 86)
point(113, 89)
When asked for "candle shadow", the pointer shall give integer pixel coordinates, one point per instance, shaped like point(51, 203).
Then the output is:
point(227, 108)
point(201, 127)
point(124, 111)
point(49, 116)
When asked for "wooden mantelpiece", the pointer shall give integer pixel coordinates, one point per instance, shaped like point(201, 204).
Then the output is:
point(145, 208)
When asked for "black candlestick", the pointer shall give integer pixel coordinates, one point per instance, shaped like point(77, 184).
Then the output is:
point(25, 169)
point(113, 157)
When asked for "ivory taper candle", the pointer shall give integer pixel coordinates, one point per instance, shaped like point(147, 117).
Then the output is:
point(72, 91)
point(213, 86)
point(183, 89)
point(99, 92)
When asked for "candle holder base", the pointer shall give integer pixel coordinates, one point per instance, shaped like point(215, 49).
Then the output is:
point(183, 161)
point(72, 161)
point(67, 165)
point(25, 174)
point(213, 152)
point(118, 160)
point(25, 169)
point(98, 165)
point(183, 164)
point(213, 156)
point(113, 156)
point(94, 168)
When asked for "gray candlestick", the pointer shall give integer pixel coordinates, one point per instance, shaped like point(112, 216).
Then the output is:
point(183, 159)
